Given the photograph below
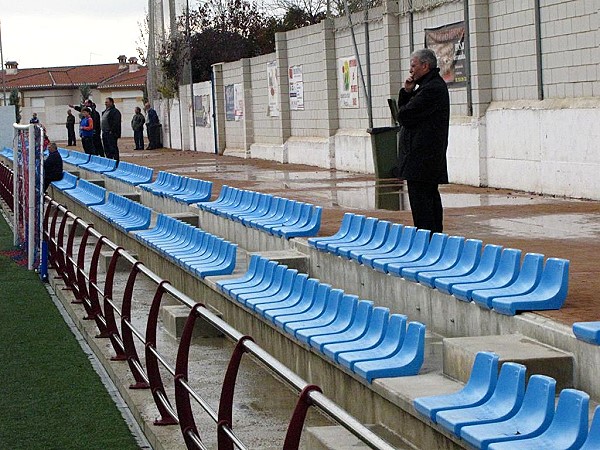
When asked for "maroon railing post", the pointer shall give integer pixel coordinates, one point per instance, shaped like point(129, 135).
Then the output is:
point(109, 314)
point(156, 385)
point(292, 437)
point(182, 396)
point(71, 265)
point(93, 290)
point(227, 391)
point(61, 251)
point(81, 281)
point(128, 342)
point(52, 242)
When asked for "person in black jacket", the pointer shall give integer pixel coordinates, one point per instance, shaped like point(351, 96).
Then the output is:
point(111, 129)
point(53, 166)
point(70, 124)
point(424, 116)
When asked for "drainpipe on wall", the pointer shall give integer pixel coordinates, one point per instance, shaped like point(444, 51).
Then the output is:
point(467, 51)
point(538, 49)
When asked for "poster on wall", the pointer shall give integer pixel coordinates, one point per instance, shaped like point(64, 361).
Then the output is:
point(348, 82)
point(273, 88)
point(296, 88)
point(202, 110)
point(238, 101)
point(229, 102)
point(448, 43)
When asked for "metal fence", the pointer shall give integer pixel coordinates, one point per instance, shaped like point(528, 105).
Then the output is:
point(69, 262)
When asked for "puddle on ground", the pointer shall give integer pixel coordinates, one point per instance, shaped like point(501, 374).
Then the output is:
point(551, 226)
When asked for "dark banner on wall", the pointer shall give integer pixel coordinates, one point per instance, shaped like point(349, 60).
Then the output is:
point(448, 43)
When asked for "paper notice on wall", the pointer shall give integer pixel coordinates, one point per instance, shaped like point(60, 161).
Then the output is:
point(238, 93)
point(296, 88)
point(229, 102)
point(273, 88)
point(202, 110)
point(348, 82)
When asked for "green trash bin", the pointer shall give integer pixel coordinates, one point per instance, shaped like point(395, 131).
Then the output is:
point(385, 159)
point(385, 150)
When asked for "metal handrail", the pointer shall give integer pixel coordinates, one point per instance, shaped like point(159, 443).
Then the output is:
point(309, 395)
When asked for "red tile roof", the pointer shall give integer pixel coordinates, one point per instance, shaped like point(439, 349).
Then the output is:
point(101, 76)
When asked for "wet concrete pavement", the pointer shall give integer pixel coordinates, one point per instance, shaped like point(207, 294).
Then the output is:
point(555, 227)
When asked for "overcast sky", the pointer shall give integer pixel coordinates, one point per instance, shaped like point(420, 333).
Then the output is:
point(54, 33)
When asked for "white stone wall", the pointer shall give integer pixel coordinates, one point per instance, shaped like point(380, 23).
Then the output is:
point(511, 137)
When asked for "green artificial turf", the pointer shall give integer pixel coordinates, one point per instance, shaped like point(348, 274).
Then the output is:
point(50, 396)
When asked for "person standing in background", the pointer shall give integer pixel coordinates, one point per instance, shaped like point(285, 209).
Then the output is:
point(70, 129)
point(86, 131)
point(137, 124)
point(34, 119)
point(95, 115)
point(153, 128)
point(111, 129)
point(424, 117)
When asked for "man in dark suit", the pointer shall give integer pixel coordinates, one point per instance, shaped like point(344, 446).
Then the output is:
point(424, 115)
point(53, 166)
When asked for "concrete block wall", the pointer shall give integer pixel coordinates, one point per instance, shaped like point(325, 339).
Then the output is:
point(503, 93)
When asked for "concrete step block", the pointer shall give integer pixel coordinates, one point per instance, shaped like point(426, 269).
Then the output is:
point(190, 218)
point(98, 182)
point(539, 358)
point(338, 438)
point(133, 196)
point(122, 264)
point(175, 316)
point(291, 258)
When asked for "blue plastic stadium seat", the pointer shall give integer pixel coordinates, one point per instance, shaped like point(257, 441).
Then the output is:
point(294, 285)
point(399, 247)
point(69, 181)
point(299, 313)
point(421, 259)
point(195, 191)
point(380, 238)
point(354, 330)
point(99, 164)
point(479, 388)
point(528, 278)
point(531, 420)
point(409, 249)
point(406, 362)
point(361, 229)
point(503, 404)
point(587, 331)
point(550, 293)
point(449, 258)
point(345, 315)
point(367, 234)
point(344, 228)
point(86, 193)
point(371, 337)
point(308, 224)
point(506, 274)
point(316, 318)
point(131, 173)
point(568, 430)
point(77, 158)
point(485, 268)
point(390, 344)
point(593, 439)
point(250, 272)
point(390, 241)
point(354, 229)
point(466, 264)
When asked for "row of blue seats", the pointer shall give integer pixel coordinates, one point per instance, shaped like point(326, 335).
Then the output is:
point(86, 193)
point(275, 215)
point(131, 173)
point(124, 213)
point(497, 412)
point(74, 158)
point(99, 164)
point(182, 189)
point(191, 248)
point(7, 153)
point(367, 340)
point(493, 277)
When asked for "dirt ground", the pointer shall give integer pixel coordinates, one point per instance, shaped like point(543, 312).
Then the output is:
point(555, 227)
